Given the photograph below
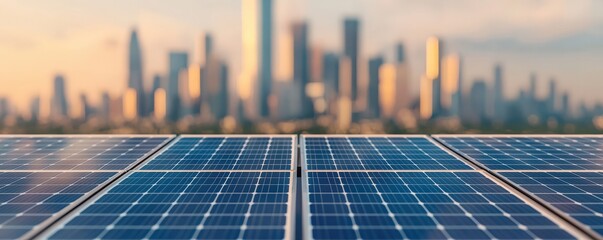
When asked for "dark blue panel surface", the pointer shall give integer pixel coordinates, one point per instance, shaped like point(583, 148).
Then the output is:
point(28, 199)
point(531, 153)
point(226, 153)
point(377, 153)
point(417, 205)
point(74, 153)
point(577, 194)
point(187, 205)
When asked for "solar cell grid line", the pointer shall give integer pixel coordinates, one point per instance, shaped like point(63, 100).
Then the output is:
point(419, 205)
point(530, 152)
point(187, 205)
point(376, 152)
point(227, 152)
point(578, 195)
point(30, 201)
point(76, 152)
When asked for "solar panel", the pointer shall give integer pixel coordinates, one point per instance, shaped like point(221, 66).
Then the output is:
point(28, 199)
point(531, 152)
point(226, 153)
point(188, 205)
point(377, 153)
point(75, 152)
point(576, 194)
point(420, 205)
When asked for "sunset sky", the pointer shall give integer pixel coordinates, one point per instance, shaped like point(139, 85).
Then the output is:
point(87, 40)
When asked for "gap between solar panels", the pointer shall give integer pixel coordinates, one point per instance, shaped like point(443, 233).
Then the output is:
point(409, 186)
point(199, 186)
point(44, 177)
point(564, 173)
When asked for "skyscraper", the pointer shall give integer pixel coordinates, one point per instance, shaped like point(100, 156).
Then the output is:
point(451, 80)
point(478, 101)
point(344, 102)
point(265, 56)
point(373, 109)
point(565, 108)
point(34, 109)
point(330, 75)
point(206, 48)
point(59, 107)
point(255, 81)
point(351, 49)
point(135, 70)
point(178, 62)
point(431, 82)
point(85, 109)
point(301, 65)
point(105, 106)
point(551, 103)
point(156, 85)
point(387, 90)
point(402, 88)
point(498, 95)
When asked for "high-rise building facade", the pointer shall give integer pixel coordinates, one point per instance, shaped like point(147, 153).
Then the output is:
point(373, 109)
point(450, 85)
point(255, 81)
point(301, 65)
point(402, 82)
point(430, 83)
point(135, 70)
point(59, 107)
point(498, 95)
point(351, 50)
point(178, 61)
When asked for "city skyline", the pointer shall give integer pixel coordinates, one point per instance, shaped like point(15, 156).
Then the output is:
point(325, 34)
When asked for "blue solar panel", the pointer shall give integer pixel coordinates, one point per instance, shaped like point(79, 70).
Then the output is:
point(226, 153)
point(27, 199)
point(420, 205)
point(377, 153)
point(577, 194)
point(187, 205)
point(99, 152)
point(531, 153)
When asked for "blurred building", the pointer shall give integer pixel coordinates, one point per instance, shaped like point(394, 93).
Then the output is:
point(301, 66)
point(387, 91)
point(551, 103)
point(59, 107)
point(373, 108)
point(34, 109)
point(430, 84)
point(135, 71)
point(351, 50)
point(402, 81)
point(478, 101)
point(178, 61)
point(255, 81)
point(451, 85)
point(498, 95)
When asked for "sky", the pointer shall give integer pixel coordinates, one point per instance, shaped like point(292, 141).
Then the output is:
point(86, 41)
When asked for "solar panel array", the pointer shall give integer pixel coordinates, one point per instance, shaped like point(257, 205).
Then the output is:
point(564, 172)
point(206, 187)
point(74, 152)
point(378, 153)
point(422, 192)
point(42, 177)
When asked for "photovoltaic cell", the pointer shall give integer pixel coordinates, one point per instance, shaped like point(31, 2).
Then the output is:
point(531, 153)
point(187, 205)
point(420, 205)
point(377, 153)
point(75, 152)
point(29, 198)
point(226, 153)
point(576, 194)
